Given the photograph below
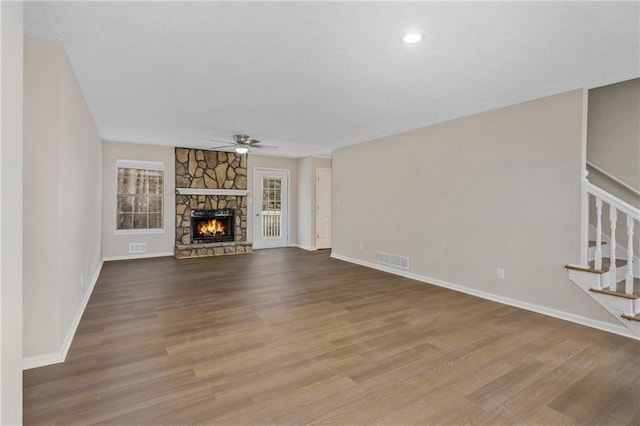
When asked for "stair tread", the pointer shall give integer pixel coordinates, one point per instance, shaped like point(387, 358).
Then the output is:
point(582, 268)
point(606, 263)
point(632, 318)
point(619, 290)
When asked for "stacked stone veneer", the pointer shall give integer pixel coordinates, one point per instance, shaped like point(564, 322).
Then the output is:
point(202, 169)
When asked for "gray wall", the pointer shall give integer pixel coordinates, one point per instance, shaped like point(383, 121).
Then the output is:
point(116, 245)
point(613, 133)
point(62, 202)
point(462, 198)
point(11, 189)
point(305, 203)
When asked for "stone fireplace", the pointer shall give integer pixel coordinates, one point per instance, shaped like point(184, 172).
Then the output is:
point(211, 203)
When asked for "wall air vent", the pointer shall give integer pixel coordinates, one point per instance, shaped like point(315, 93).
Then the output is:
point(137, 247)
point(392, 260)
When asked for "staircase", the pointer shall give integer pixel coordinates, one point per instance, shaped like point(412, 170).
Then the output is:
point(609, 271)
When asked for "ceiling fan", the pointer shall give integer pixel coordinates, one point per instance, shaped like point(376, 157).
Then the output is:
point(242, 144)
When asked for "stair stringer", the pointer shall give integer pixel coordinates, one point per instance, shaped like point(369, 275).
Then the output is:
point(615, 305)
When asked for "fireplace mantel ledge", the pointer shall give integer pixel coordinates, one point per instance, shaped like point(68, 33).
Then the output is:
point(206, 191)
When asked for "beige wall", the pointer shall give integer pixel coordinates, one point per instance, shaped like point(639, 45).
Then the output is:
point(307, 167)
point(263, 161)
point(116, 245)
point(80, 195)
point(62, 184)
point(495, 190)
point(41, 187)
point(11, 189)
point(305, 203)
point(613, 136)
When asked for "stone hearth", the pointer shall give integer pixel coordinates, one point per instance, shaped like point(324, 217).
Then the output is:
point(210, 180)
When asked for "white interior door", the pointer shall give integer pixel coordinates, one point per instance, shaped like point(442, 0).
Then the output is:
point(271, 208)
point(323, 208)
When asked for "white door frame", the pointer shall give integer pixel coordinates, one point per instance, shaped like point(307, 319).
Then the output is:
point(254, 204)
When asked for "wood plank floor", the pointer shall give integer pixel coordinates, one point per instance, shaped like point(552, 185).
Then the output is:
point(285, 336)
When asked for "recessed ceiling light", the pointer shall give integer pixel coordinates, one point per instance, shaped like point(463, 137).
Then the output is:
point(412, 37)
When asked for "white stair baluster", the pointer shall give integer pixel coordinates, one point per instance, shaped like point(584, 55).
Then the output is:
point(598, 260)
point(613, 218)
point(628, 287)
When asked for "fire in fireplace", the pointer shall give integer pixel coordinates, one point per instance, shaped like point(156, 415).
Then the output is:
point(212, 226)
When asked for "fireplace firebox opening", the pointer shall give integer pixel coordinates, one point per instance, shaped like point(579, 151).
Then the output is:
point(212, 226)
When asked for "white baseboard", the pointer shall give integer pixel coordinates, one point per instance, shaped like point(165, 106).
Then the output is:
point(42, 360)
point(578, 319)
point(61, 355)
point(138, 256)
point(303, 247)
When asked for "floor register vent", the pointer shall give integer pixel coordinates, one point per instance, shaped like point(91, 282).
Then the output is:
point(392, 260)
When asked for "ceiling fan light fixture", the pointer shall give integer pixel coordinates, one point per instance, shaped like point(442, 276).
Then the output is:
point(241, 149)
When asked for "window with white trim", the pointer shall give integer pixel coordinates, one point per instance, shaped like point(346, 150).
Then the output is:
point(140, 195)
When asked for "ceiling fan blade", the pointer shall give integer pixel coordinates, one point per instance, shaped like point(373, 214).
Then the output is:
point(219, 141)
point(255, 143)
point(228, 145)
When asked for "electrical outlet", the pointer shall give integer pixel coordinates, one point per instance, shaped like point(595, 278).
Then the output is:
point(81, 280)
point(361, 246)
point(500, 273)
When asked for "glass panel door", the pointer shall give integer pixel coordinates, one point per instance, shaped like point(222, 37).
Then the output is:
point(270, 227)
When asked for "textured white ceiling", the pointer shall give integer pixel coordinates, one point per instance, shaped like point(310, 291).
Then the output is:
point(313, 76)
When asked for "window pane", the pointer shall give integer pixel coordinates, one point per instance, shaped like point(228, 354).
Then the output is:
point(155, 204)
point(140, 221)
point(141, 204)
point(125, 221)
point(125, 204)
point(155, 220)
point(123, 181)
point(155, 185)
